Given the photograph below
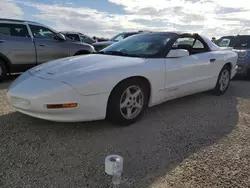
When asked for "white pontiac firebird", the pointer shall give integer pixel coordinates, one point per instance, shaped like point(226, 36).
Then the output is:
point(123, 79)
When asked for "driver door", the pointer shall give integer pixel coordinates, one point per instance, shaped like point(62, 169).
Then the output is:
point(189, 74)
point(47, 47)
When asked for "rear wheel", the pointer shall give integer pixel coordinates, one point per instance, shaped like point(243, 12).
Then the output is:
point(128, 101)
point(3, 71)
point(223, 81)
point(248, 74)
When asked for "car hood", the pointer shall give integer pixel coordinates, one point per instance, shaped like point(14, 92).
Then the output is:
point(83, 66)
point(105, 43)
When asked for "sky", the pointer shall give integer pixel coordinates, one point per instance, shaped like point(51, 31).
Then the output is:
point(106, 18)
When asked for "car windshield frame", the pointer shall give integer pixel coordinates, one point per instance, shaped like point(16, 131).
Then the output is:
point(123, 47)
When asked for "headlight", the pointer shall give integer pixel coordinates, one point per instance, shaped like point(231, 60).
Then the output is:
point(19, 102)
point(242, 54)
point(20, 79)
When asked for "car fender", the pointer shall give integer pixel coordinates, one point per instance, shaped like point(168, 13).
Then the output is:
point(104, 80)
point(81, 47)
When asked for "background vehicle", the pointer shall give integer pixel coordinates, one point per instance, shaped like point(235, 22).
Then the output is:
point(100, 39)
point(78, 37)
point(24, 44)
point(241, 45)
point(101, 45)
point(122, 80)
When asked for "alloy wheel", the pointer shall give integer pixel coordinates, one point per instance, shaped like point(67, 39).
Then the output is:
point(131, 102)
point(224, 80)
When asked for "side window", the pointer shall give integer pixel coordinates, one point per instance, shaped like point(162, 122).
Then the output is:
point(83, 38)
point(118, 38)
point(192, 45)
point(86, 39)
point(16, 30)
point(185, 41)
point(224, 42)
point(198, 45)
point(41, 32)
point(73, 37)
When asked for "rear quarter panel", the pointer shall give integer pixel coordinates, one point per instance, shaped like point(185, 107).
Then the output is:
point(223, 57)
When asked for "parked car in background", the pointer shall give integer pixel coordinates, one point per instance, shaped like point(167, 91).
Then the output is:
point(79, 37)
point(24, 44)
point(101, 45)
point(241, 45)
point(123, 79)
point(100, 39)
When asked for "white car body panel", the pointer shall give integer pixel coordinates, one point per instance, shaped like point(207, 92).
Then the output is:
point(32, 100)
point(90, 70)
point(195, 73)
point(88, 80)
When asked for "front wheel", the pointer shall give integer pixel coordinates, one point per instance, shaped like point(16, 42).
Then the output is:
point(3, 71)
point(223, 81)
point(127, 102)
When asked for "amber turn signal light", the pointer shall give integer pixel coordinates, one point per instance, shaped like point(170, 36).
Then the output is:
point(68, 105)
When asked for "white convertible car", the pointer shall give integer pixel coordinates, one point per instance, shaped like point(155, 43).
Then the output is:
point(122, 80)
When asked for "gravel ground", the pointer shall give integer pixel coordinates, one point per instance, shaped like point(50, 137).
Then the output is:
point(196, 141)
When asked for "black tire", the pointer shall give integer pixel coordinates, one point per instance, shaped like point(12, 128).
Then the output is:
point(218, 90)
point(3, 71)
point(114, 113)
point(248, 75)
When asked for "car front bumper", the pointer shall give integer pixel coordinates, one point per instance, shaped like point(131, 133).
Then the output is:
point(243, 66)
point(242, 70)
point(31, 95)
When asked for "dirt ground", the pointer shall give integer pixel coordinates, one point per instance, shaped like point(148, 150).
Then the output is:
point(196, 141)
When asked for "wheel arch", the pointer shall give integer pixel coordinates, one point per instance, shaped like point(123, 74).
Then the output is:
point(141, 78)
point(229, 64)
point(6, 61)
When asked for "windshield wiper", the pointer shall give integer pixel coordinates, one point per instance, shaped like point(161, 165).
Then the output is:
point(119, 53)
point(116, 53)
point(111, 53)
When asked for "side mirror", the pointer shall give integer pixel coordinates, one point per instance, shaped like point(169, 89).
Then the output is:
point(59, 36)
point(177, 53)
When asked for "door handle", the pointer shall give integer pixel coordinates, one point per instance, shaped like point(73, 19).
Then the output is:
point(42, 45)
point(2, 41)
point(212, 60)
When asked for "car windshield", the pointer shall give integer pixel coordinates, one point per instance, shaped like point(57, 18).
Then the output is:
point(234, 41)
point(85, 37)
point(139, 45)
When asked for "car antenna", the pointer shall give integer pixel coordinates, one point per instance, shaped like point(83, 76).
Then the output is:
point(240, 30)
